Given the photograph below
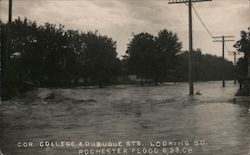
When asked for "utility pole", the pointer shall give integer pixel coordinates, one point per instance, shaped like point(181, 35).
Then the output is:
point(190, 75)
point(235, 63)
point(8, 51)
point(223, 53)
point(10, 10)
point(5, 53)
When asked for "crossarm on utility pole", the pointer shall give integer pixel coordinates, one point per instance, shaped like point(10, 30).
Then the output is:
point(222, 41)
point(185, 1)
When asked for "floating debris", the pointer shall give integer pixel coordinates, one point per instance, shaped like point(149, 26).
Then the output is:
point(198, 92)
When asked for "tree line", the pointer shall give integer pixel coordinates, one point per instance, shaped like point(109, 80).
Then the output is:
point(49, 55)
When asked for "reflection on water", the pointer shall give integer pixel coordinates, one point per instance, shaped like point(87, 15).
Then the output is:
point(128, 113)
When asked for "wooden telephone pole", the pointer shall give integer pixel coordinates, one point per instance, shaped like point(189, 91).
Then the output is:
point(5, 53)
point(223, 54)
point(8, 51)
point(10, 10)
point(235, 63)
point(189, 2)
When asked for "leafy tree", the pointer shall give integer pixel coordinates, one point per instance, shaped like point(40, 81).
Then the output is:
point(142, 56)
point(154, 58)
point(101, 57)
point(168, 46)
point(243, 45)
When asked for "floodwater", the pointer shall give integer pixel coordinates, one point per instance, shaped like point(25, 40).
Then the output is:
point(127, 113)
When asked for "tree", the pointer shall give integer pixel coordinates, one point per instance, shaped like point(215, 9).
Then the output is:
point(154, 58)
point(101, 58)
point(168, 46)
point(243, 45)
point(142, 56)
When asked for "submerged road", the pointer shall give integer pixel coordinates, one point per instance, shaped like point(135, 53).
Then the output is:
point(142, 116)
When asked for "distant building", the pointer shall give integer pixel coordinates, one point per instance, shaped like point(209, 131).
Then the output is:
point(133, 78)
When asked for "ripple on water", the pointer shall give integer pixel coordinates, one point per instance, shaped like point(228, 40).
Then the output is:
point(125, 112)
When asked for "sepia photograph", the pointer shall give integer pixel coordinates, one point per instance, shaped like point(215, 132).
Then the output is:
point(125, 77)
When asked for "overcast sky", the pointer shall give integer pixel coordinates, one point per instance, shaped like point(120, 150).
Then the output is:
point(119, 18)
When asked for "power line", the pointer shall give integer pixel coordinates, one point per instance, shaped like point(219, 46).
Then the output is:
point(227, 48)
point(206, 28)
point(202, 22)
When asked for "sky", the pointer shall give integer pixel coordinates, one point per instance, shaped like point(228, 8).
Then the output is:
point(120, 18)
